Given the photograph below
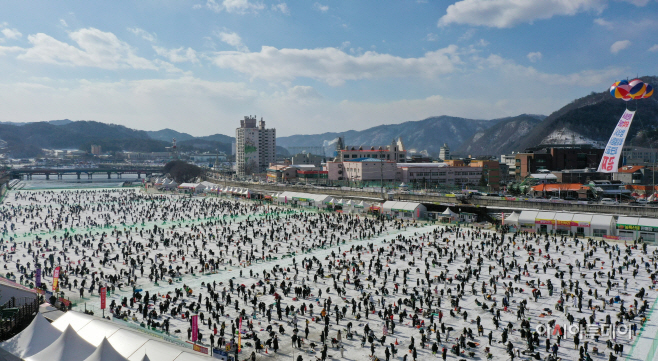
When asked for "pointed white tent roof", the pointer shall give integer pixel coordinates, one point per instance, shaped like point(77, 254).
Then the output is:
point(449, 213)
point(105, 352)
point(513, 218)
point(37, 336)
point(77, 320)
point(68, 347)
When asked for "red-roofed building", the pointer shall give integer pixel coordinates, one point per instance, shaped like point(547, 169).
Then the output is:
point(561, 190)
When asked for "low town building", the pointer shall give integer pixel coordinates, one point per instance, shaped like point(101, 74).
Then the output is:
point(307, 158)
point(363, 169)
point(394, 152)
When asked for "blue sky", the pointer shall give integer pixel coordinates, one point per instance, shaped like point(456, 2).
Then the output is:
point(198, 66)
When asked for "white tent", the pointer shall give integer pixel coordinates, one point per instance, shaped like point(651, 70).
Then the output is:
point(69, 346)
point(76, 320)
point(105, 352)
point(96, 331)
point(157, 351)
point(127, 342)
point(513, 219)
point(449, 213)
point(82, 338)
point(36, 337)
point(6, 356)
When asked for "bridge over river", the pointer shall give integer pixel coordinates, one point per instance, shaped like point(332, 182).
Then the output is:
point(118, 170)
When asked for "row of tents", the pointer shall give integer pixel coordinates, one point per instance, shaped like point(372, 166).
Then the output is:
point(321, 201)
point(396, 209)
point(80, 337)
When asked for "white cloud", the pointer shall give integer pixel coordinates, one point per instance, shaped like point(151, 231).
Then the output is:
point(603, 22)
point(510, 70)
point(468, 34)
point(282, 7)
point(142, 104)
point(232, 6)
point(431, 37)
point(619, 46)
point(143, 34)
point(654, 48)
point(11, 33)
point(334, 66)
point(507, 13)
point(4, 50)
point(637, 2)
point(320, 7)
point(63, 23)
point(303, 92)
point(534, 57)
point(234, 40)
point(482, 43)
point(95, 49)
point(179, 55)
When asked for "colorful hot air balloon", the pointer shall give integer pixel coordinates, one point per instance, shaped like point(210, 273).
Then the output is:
point(635, 89)
point(638, 88)
point(648, 92)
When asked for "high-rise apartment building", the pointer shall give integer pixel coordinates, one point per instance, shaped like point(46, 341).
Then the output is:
point(444, 152)
point(255, 146)
point(95, 149)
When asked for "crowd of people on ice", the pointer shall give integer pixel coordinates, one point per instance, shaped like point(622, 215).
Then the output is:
point(267, 281)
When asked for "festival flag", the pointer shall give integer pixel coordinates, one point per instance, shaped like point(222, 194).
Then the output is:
point(37, 277)
point(240, 336)
point(103, 297)
point(195, 327)
point(610, 160)
point(55, 278)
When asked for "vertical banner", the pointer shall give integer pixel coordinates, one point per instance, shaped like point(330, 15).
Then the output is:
point(37, 277)
point(240, 336)
point(610, 159)
point(103, 297)
point(503, 216)
point(195, 327)
point(55, 278)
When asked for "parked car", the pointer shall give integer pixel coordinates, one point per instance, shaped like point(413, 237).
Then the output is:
point(608, 201)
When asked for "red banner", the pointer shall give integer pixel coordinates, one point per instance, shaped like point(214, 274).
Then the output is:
point(544, 221)
point(103, 296)
point(195, 327)
point(240, 336)
point(197, 348)
point(55, 278)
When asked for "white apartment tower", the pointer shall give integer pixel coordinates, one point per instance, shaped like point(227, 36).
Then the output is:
point(255, 146)
point(444, 152)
